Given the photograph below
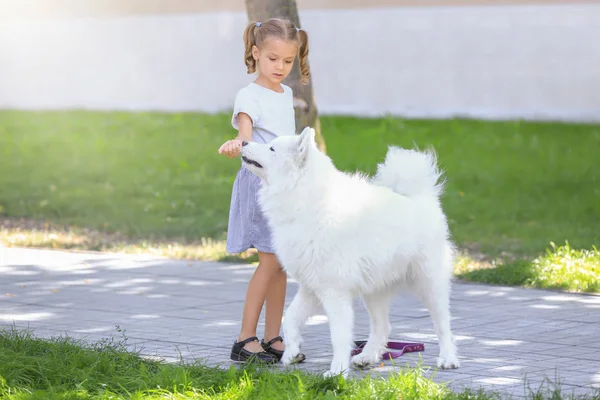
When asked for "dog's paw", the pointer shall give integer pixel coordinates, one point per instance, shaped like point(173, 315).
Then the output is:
point(290, 356)
point(450, 362)
point(364, 360)
point(338, 367)
point(332, 373)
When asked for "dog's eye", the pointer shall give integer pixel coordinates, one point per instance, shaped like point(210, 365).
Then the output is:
point(272, 149)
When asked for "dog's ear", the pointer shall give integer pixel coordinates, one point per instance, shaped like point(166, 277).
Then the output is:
point(308, 135)
point(306, 140)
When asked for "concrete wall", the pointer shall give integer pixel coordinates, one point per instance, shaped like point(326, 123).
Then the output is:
point(535, 61)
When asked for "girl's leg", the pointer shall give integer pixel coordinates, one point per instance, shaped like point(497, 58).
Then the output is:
point(267, 273)
point(275, 301)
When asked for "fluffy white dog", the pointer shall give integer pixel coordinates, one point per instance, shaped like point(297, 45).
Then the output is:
point(343, 236)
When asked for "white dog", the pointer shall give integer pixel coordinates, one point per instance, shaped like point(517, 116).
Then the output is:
point(342, 236)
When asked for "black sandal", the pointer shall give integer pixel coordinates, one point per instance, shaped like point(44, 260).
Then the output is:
point(279, 353)
point(238, 353)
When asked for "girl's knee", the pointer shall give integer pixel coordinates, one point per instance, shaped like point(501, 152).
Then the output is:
point(268, 259)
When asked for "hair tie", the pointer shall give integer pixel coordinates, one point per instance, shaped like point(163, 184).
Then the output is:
point(258, 24)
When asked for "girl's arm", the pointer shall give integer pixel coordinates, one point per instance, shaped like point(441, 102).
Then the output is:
point(232, 148)
point(245, 127)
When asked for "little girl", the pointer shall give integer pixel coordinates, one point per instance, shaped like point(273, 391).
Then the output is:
point(262, 111)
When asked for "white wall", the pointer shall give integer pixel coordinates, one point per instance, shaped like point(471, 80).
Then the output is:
point(539, 62)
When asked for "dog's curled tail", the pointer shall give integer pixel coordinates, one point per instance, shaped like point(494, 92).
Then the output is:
point(410, 172)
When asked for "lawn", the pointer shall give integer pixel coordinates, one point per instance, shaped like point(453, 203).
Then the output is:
point(154, 182)
point(62, 368)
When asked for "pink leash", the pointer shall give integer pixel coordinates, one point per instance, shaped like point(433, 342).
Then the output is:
point(403, 347)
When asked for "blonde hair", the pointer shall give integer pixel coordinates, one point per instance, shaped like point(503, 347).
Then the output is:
point(257, 33)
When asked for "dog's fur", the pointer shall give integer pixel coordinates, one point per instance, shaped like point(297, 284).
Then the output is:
point(343, 236)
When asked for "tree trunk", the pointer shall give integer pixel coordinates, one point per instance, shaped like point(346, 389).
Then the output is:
point(304, 101)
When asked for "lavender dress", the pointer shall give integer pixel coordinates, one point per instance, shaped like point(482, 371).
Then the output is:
point(248, 226)
point(272, 115)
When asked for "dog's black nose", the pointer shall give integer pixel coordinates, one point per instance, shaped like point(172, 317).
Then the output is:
point(244, 143)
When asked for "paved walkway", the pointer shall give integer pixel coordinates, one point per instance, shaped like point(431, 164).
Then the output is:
point(170, 308)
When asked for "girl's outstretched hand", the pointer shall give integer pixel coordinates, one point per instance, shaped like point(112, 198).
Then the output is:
point(231, 148)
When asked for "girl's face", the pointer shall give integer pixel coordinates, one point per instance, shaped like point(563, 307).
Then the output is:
point(275, 59)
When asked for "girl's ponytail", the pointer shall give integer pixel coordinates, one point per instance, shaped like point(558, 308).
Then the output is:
point(249, 41)
point(303, 57)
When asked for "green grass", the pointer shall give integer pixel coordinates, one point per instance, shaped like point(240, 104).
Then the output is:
point(62, 368)
point(512, 187)
point(562, 268)
point(144, 175)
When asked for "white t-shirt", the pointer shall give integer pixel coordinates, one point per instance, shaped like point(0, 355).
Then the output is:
point(272, 113)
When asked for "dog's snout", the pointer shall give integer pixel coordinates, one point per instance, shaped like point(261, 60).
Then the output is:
point(244, 143)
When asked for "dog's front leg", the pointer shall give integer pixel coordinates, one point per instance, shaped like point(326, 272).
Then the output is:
point(304, 305)
point(338, 307)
